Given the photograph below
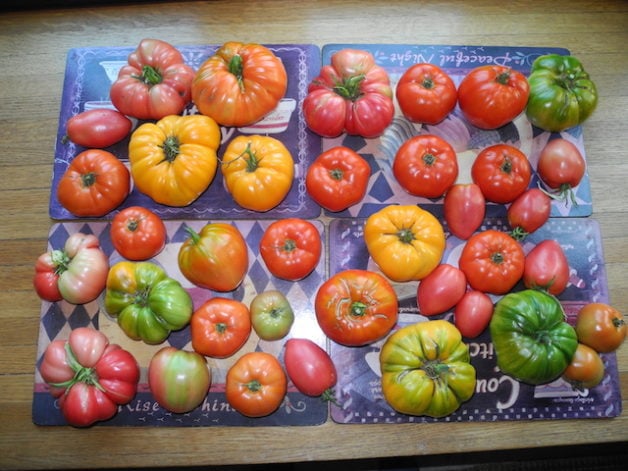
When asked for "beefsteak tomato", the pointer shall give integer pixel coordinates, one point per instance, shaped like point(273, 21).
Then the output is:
point(137, 233)
point(98, 128)
point(310, 368)
point(220, 327)
point(464, 208)
point(502, 172)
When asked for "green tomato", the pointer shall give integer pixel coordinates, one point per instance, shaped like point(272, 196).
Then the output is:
point(532, 341)
point(271, 315)
point(562, 95)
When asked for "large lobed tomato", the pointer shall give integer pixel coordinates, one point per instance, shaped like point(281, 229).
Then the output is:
point(89, 376)
point(502, 172)
point(601, 327)
point(239, 84)
point(220, 327)
point(529, 212)
point(464, 208)
point(155, 83)
point(441, 289)
point(271, 315)
point(137, 233)
point(561, 166)
point(98, 128)
point(352, 95)
point(310, 368)
point(546, 267)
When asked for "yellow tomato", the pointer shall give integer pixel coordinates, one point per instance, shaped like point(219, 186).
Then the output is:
point(174, 160)
point(405, 241)
point(258, 171)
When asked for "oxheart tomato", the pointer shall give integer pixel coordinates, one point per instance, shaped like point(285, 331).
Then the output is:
point(291, 248)
point(310, 368)
point(219, 327)
point(561, 166)
point(529, 212)
point(426, 165)
point(271, 315)
point(426, 93)
point(601, 327)
point(441, 289)
point(491, 96)
point(586, 369)
point(502, 172)
point(137, 233)
point(473, 313)
point(215, 258)
point(492, 261)
point(256, 384)
point(356, 307)
point(546, 267)
point(338, 178)
point(178, 379)
point(464, 209)
point(98, 128)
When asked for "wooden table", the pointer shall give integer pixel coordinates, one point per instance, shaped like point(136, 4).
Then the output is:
point(33, 47)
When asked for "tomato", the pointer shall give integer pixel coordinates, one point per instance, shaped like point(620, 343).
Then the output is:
point(441, 289)
point(76, 273)
point(179, 380)
point(174, 160)
point(426, 369)
point(491, 96)
point(310, 368)
point(256, 384)
point(586, 369)
point(89, 376)
point(220, 327)
point(529, 212)
point(546, 267)
point(258, 171)
point(94, 184)
point(492, 261)
point(356, 307)
point(502, 172)
point(473, 313)
point(271, 315)
point(464, 209)
point(291, 248)
point(352, 95)
point(137, 233)
point(239, 84)
point(426, 165)
point(98, 128)
point(561, 167)
point(405, 241)
point(601, 327)
point(338, 178)
point(215, 258)
point(426, 93)
point(155, 83)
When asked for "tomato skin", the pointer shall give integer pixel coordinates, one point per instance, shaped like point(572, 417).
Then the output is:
point(529, 212)
point(137, 233)
point(473, 313)
point(256, 384)
point(464, 209)
point(271, 315)
point(546, 267)
point(178, 379)
point(502, 172)
point(491, 96)
point(310, 368)
point(98, 128)
point(291, 248)
point(601, 327)
point(561, 166)
point(441, 290)
point(586, 369)
point(356, 307)
point(426, 94)
point(338, 178)
point(220, 327)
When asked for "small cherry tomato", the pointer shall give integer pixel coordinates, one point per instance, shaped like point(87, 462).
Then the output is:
point(441, 290)
point(561, 166)
point(529, 212)
point(586, 369)
point(271, 315)
point(98, 128)
point(502, 172)
point(473, 313)
point(137, 233)
point(601, 327)
point(310, 368)
point(546, 267)
point(464, 208)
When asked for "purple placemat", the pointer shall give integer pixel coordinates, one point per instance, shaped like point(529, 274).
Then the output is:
point(466, 139)
point(497, 396)
point(88, 77)
point(58, 319)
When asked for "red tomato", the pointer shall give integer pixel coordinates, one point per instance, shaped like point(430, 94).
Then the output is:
point(586, 369)
point(546, 267)
point(426, 165)
point(492, 261)
point(464, 208)
point(310, 368)
point(601, 327)
point(98, 128)
point(491, 96)
point(137, 233)
point(338, 178)
point(473, 313)
point(561, 166)
point(529, 212)
point(502, 172)
point(356, 307)
point(220, 327)
point(441, 290)
point(426, 94)
point(291, 248)
point(256, 384)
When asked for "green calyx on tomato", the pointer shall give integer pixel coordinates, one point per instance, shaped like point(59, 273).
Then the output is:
point(349, 88)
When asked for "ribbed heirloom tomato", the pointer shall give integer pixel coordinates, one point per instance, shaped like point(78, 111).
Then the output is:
point(219, 327)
